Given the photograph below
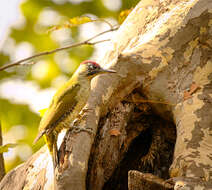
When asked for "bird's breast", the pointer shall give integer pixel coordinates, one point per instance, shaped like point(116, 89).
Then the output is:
point(71, 115)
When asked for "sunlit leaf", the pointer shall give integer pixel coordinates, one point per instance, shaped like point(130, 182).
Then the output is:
point(42, 112)
point(73, 22)
point(123, 15)
point(80, 20)
point(76, 21)
point(5, 148)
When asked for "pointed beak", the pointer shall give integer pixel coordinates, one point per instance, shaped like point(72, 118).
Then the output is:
point(107, 71)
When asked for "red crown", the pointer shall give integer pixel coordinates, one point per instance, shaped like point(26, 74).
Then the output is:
point(89, 61)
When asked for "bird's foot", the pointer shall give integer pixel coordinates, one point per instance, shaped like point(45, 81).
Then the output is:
point(74, 125)
point(83, 113)
point(80, 116)
point(76, 122)
point(84, 110)
point(75, 129)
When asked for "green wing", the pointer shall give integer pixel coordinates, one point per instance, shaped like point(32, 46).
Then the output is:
point(63, 101)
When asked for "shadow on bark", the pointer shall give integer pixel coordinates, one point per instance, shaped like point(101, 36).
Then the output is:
point(148, 139)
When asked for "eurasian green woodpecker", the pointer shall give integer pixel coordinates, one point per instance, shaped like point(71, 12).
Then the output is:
point(67, 104)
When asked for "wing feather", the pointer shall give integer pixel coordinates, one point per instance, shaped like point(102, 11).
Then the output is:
point(63, 102)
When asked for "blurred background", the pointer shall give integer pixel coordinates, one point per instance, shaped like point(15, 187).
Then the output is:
point(24, 90)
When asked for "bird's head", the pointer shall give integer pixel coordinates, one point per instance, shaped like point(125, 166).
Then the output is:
point(90, 69)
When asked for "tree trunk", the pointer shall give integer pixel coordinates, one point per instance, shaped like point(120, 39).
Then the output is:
point(2, 168)
point(162, 52)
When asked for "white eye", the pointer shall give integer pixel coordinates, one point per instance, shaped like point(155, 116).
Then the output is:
point(92, 67)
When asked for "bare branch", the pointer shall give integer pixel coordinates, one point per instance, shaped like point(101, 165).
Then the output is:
point(104, 32)
point(105, 21)
point(86, 42)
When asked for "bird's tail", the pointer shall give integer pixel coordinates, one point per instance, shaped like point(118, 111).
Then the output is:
point(51, 141)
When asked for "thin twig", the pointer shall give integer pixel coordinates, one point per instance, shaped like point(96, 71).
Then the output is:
point(105, 21)
point(21, 62)
point(104, 32)
point(86, 42)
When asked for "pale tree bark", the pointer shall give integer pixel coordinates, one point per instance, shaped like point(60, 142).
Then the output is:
point(162, 52)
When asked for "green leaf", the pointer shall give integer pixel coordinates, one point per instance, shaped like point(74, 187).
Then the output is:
point(123, 15)
point(76, 21)
point(42, 112)
point(5, 148)
point(73, 22)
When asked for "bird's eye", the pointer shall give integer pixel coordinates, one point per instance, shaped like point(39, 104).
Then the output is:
point(92, 67)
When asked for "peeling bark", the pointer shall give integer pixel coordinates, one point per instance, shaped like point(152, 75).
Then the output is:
point(161, 49)
point(109, 148)
point(36, 173)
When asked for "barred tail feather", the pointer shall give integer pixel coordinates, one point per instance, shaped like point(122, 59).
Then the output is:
point(51, 141)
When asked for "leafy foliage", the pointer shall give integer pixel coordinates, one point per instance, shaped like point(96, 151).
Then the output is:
point(123, 15)
point(42, 112)
point(73, 22)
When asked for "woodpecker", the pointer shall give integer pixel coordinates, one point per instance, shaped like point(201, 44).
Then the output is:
point(67, 104)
